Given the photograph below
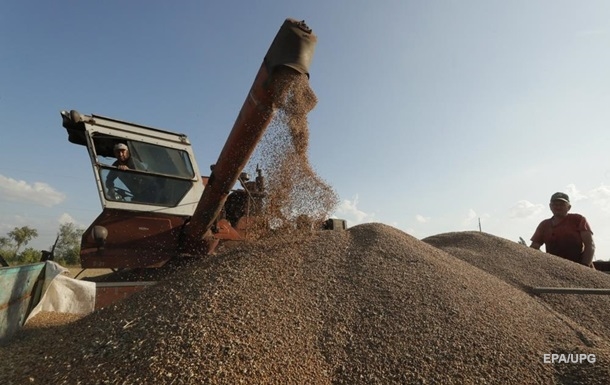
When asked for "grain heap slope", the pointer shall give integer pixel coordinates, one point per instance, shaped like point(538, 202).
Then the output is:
point(364, 306)
point(525, 268)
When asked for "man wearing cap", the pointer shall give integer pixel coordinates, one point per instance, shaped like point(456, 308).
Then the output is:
point(565, 235)
point(124, 162)
point(123, 158)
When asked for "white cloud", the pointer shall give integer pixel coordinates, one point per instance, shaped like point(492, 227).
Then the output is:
point(348, 210)
point(600, 197)
point(9, 222)
point(472, 217)
point(525, 209)
point(38, 193)
point(601, 192)
point(411, 231)
point(574, 194)
point(66, 218)
point(422, 219)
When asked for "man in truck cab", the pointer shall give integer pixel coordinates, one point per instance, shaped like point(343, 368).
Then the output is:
point(136, 184)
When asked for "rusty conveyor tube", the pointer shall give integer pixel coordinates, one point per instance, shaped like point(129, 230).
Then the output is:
point(292, 47)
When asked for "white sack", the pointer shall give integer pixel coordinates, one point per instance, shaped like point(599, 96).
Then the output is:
point(63, 294)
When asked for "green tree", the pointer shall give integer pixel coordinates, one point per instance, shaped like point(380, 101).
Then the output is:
point(5, 243)
point(67, 250)
point(7, 249)
point(29, 255)
point(22, 236)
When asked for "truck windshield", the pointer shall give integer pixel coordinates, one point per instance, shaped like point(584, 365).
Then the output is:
point(138, 187)
point(142, 172)
point(163, 160)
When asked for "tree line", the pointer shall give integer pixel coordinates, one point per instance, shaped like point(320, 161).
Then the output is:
point(66, 249)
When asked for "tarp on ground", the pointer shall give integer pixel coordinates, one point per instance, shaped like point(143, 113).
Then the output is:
point(62, 294)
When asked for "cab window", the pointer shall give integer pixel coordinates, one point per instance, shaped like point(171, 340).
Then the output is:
point(155, 174)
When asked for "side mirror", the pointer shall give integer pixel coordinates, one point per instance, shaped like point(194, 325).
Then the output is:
point(99, 234)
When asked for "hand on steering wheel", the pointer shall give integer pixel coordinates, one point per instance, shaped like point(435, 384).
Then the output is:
point(120, 194)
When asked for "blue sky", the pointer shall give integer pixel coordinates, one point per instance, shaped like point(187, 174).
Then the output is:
point(430, 115)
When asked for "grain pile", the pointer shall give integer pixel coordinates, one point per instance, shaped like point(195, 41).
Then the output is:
point(525, 268)
point(294, 188)
point(370, 305)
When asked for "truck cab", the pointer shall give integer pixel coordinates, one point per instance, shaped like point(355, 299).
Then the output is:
point(145, 205)
point(158, 206)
